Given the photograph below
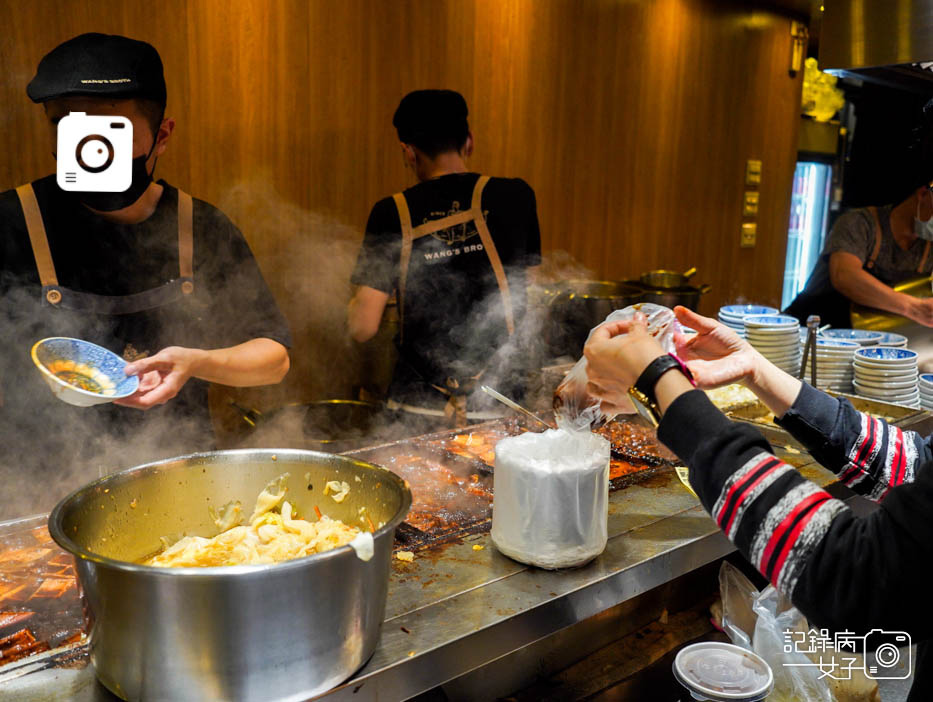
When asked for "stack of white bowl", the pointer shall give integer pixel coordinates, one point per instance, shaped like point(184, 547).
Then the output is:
point(733, 316)
point(834, 369)
point(925, 383)
point(777, 338)
point(888, 374)
point(862, 337)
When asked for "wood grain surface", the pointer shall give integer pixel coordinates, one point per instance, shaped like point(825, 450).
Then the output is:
point(631, 119)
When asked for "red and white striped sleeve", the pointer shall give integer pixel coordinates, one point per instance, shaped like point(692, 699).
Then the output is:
point(869, 455)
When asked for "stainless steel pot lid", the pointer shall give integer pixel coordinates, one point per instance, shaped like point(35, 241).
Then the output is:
point(720, 671)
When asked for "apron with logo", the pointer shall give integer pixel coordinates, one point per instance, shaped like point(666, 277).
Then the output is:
point(455, 389)
point(109, 321)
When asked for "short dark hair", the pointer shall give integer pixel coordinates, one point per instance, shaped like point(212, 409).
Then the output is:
point(433, 121)
point(153, 111)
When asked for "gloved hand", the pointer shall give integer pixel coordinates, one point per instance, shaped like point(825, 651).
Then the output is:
point(715, 355)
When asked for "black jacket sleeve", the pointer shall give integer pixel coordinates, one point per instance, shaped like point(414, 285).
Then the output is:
point(867, 454)
point(841, 571)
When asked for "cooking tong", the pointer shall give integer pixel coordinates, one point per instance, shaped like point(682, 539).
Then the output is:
point(809, 348)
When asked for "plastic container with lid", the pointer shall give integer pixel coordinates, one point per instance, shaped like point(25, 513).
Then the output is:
point(718, 672)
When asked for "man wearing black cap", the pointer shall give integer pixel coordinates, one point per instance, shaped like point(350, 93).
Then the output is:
point(156, 276)
point(454, 248)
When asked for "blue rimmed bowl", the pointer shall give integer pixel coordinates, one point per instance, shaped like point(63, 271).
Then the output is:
point(863, 337)
point(840, 344)
point(81, 373)
point(740, 311)
point(886, 356)
point(892, 339)
point(771, 321)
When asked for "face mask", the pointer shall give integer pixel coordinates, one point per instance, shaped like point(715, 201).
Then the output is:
point(109, 202)
point(923, 230)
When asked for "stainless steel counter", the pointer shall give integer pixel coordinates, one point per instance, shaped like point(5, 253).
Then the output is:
point(457, 607)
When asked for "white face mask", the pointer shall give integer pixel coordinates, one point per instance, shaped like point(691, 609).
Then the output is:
point(923, 229)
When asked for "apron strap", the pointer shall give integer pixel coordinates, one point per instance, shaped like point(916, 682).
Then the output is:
point(404, 218)
point(186, 241)
point(877, 248)
point(39, 242)
point(492, 253)
point(923, 260)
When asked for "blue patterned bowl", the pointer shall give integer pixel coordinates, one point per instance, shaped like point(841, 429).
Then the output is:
point(891, 339)
point(771, 321)
point(886, 355)
point(837, 344)
point(737, 312)
point(862, 336)
point(81, 373)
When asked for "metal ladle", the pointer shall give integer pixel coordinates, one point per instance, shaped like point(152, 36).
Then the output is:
point(513, 405)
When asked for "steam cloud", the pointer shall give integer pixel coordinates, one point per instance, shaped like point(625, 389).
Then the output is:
point(310, 280)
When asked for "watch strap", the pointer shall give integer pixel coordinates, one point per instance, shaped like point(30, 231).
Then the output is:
point(658, 367)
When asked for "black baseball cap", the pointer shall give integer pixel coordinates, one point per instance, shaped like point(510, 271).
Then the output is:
point(99, 65)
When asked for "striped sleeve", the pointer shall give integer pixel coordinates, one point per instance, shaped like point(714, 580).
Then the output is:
point(774, 517)
point(844, 572)
point(765, 507)
point(868, 455)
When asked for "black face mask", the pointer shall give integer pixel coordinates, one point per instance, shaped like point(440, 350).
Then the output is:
point(109, 202)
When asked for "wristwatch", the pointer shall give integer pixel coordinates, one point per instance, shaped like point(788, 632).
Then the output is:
point(642, 393)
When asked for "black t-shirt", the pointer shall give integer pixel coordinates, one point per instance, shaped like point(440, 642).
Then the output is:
point(453, 318)
point(231, 304)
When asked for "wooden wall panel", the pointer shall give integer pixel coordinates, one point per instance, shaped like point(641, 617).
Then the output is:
point(632, 119)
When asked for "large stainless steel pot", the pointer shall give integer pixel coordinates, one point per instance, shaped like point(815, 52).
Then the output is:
point(687, 295)
point(667, 279)
point(579, 305)
point(283, 631)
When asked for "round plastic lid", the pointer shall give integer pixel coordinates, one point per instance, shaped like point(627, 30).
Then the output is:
point(720, 671)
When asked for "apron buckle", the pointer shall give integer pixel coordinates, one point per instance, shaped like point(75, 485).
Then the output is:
point(53, 296)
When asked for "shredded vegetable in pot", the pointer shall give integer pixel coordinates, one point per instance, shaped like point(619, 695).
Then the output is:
point(274, 533)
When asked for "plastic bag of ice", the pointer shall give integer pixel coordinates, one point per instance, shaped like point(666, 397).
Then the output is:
point(578, 411)
point(551, 497)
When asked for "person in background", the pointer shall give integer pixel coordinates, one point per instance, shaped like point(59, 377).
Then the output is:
point(870, 250)
point(165, 280)
point(843, 572)
point(454, 249)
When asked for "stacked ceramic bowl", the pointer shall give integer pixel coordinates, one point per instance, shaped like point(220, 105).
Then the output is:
point(733, 316)
point(887, 374)
point(777, 338)
point(925, 383)
point(862, 337)
point(834, 369)
point(898, 341)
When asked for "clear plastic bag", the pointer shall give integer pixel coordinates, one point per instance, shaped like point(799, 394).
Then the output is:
point(757, 621)
point(552, 497)
point(578, 411)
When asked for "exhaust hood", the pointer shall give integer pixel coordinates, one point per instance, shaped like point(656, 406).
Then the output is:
point(888, 41)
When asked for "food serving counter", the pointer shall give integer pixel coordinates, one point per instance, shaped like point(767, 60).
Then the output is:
point(457, 604)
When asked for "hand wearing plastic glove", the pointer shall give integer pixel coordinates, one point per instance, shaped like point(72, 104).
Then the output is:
point(616, 354)
point(718, 356)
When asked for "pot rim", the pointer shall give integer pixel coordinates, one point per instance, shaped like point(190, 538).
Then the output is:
point(212, 572)
point(626, 289)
